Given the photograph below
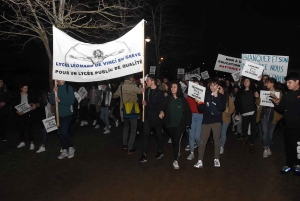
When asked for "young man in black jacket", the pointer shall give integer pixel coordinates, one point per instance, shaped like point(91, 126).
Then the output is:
point(153, 102)
point(289, 106)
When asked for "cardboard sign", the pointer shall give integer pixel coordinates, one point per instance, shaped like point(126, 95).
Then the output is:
point(23, 107)
point(205, 75)
point(180, 71)
point(252, 70)
point(82, 92)
point(77, 96)
point(265, 98)
point(236, 76)
point(228, 64)
point(183, 86)
point(274, 66)
point(152, 70)
point(196, 91)
point(50, 124)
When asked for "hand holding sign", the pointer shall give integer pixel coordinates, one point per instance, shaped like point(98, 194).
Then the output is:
point(274, 99)
point(256, 94)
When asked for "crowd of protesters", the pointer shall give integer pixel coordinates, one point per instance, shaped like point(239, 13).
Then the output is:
point(168, 109)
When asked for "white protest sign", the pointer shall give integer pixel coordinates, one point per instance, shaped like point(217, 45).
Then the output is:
point(50, 124)
point(265, 98)
point(23, 107)
point(196, 76)
point(196, 91)
point(78, 61)
point(236, 76)
point(227, 64)
point(180, 71)
point(274, 66)
point(183, 86)
point(77, 96)
point(205, 75)
point(82, 92)
point(252, 70)
point(152, 70)
point(196, 71)
point(187, 76)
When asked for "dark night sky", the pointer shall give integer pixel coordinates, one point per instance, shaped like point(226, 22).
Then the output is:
point(230, 28)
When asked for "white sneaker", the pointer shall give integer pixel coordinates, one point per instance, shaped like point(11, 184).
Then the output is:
point(63, 154)
point(176, 165)
point(86, 123)
point(170, 141)
point(71, 152)
point(191, 156)
point(117, 123)
point(187, 147)
point(41, 149)
point(217, 163)
point(22, 144)
point(94, 123)
point(106, 128)
point(138, 132)
point(61, 150)
point(31, 147)
point(269, 151)
point(199, 164)
point(106, 131)
point(265, 153)
point(221, 150)
point(82, 123)
point(97, 126)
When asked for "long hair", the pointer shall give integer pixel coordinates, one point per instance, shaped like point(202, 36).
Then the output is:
point(226, 91)
point(179, 92)
point(273, 81)
point(251, 87)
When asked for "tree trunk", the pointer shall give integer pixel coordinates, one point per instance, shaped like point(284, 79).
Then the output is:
point(49, 54)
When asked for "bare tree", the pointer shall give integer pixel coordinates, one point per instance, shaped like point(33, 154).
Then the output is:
point(86, 20)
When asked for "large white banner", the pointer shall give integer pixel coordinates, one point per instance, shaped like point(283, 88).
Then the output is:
point(83, 62)
point(228, 64)
point(274, 66)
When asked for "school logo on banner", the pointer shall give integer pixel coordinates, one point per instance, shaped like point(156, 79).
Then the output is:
point(76, 61)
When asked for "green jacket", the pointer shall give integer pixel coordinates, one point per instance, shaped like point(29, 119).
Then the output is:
point(67, 99)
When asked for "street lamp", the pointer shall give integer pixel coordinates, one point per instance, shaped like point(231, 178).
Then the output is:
point(148, 39)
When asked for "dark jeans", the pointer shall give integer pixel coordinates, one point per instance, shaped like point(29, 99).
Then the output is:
point(246, 120)
point(176, 137)
point(267, 131)
point(146, 135)
point(291, 137)
point(24, 123)
point(64, 132)
point(94, 115)
point(83, 113)
point(129, 123)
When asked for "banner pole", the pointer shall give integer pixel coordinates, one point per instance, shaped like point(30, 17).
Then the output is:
point(56, 106)
point(143, 65)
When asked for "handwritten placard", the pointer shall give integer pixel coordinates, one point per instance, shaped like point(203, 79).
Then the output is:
point(152, 70)
point(23, 107)
point(180, 71)
point(227, 64)
point(183, 86)
point(50, 124)
point(196, 91)
point(265, 98)
point(205, 75)
point(273, 65)
point(82, 92)
point(196, 76)
point(236, 76)
point(252, 70)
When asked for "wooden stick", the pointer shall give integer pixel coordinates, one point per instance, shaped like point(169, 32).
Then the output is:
point(144, 53)
point(56, 106)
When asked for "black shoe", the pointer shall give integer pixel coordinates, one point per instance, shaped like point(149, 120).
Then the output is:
point(159, 154)
point(124, 147)
point(143, 159)
point(131, 151)
point(285, 169)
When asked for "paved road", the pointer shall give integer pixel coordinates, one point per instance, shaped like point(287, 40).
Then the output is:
point(101, 170)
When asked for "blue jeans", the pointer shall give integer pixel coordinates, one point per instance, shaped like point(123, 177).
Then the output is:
point(64, 131)
point(223, 133)
point(104, 116)
point(267, 131)
point(195, 131)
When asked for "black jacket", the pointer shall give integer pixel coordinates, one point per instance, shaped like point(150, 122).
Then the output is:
point(155, 101)
point(5, 97)
point(245, 102)
point(212, 108)
point(186, 119)
point(31, 99)
point(289, 106)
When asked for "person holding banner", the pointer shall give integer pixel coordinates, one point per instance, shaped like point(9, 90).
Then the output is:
point(245, 105)
point(177, 116)
point(268, 117)
point(25, 120)
point(65, 100)
point(213, 106)
point(289, 106)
